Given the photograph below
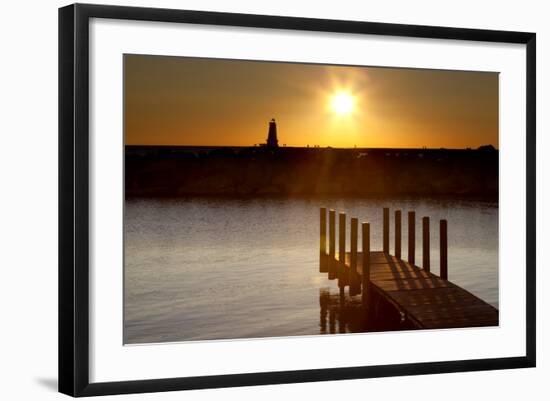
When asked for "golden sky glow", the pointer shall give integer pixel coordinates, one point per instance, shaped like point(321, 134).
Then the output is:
point(193, 101)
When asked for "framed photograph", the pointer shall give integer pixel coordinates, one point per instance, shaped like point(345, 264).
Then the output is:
point(251, 199)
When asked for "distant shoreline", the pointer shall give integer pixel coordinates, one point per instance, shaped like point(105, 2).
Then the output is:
point(180, 171)
point(491, 200)
point(312, 147)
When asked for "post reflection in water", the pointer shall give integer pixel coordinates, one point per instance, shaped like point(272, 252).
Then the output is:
point(347, 314)
point(344, 314)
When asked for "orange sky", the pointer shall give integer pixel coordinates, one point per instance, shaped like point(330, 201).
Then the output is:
point(194, 101)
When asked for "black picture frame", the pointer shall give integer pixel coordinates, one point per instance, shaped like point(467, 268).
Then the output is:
point(74, 191)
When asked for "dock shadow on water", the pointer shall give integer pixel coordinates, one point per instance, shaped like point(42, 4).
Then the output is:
point(341, 313)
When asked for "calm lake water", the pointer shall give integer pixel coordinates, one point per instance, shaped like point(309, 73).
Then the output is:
point(203, 269)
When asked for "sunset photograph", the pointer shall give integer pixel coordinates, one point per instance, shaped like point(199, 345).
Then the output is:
point(275, 199)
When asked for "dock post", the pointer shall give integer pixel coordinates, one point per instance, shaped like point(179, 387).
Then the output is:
point(323, 260)
point(331, 243)
point(366, 263)
point(354, 279)
point(426, 243)
point(412, 239)
point(386, 233)
point(398, 234)
point(443, 273)
point(323, 225)
point(342, 250)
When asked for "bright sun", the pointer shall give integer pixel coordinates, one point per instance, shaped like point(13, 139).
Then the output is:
point(342, 103)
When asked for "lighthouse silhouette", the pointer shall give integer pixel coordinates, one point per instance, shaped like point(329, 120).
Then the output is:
point(272, 141)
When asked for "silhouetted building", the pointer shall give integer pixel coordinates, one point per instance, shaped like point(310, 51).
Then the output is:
point(272, 141)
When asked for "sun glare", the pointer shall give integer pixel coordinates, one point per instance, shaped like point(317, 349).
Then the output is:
point(342, 103)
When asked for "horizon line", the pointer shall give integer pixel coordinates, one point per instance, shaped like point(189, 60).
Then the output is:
point(313, 147)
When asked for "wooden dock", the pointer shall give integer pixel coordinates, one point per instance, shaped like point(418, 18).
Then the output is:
point(423, 299)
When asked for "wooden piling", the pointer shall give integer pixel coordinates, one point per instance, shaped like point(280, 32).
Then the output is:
point(323, 258)
point(426, 243)
point(331, 243)
point(323, 237)
point(412, 239)
point(398, 234)
point(366, 263)
point(342, 279)
point(386, 230)
point(443, 250)
point(354, 287)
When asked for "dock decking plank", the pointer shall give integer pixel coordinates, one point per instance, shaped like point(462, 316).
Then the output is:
point(426, 299)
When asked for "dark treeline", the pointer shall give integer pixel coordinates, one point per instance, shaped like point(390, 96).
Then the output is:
point(260, 171)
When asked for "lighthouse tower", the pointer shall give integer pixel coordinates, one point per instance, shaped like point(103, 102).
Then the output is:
point(272, 141)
